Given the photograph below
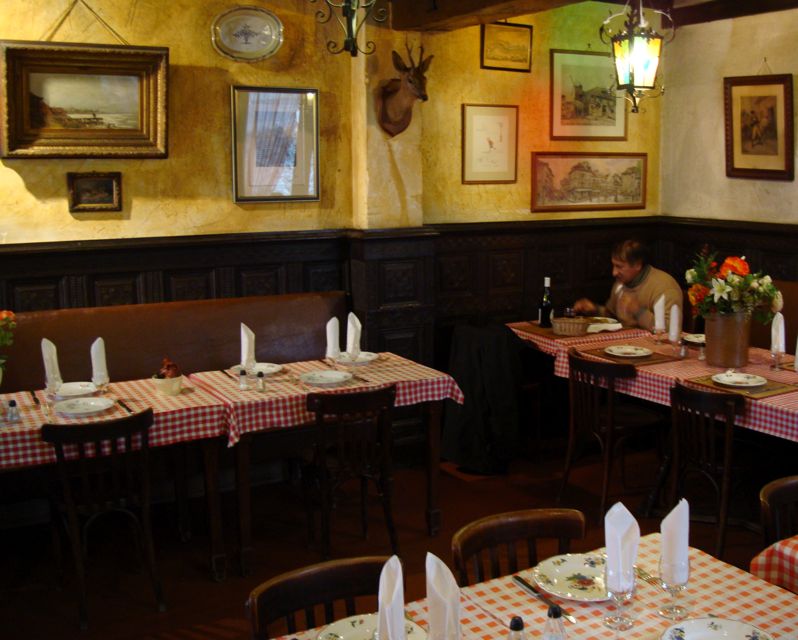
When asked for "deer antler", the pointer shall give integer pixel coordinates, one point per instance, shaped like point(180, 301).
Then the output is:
point(410, 55)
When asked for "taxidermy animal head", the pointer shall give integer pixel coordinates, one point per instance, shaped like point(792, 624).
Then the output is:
point(399, 94)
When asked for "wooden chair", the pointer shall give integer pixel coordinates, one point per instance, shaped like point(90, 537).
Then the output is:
point(778, 501)
point(495, 540)
point(353, 440)
point(595, 411)
point(333, 584)
point(703, 445)
point(91, 486)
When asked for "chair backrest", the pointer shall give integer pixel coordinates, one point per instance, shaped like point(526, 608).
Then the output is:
point(116, 478)
point(327, 586)
point(491, 545)
point(778, 501)
point(357, 423)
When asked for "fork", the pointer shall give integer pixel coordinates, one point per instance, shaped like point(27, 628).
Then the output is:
point(647, 577)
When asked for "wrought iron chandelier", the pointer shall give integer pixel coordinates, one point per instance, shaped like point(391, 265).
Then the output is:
point(353, 14)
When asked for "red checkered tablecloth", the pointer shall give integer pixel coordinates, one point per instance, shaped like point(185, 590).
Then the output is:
point(778, 564)
point(192, 415)
point(282, 402)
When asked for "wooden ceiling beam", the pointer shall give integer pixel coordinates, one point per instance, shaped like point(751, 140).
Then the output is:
point(724, 9)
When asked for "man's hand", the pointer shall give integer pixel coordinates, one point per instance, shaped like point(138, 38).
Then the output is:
point(583, 305)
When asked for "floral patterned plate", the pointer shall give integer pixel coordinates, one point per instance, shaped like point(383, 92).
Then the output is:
point(574, 576)
point(627, 351)
point(713, 628)
point(736, 379)
point(364, 628)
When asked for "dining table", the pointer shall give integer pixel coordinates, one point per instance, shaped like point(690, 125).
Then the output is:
point(716, 592)
point(778, 563)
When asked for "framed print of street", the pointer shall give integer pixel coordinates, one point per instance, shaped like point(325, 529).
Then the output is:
point(490, 143)
point(584, 104)
point(506, 46)
point(570, 181)
point(759, 127)
point(64, 100)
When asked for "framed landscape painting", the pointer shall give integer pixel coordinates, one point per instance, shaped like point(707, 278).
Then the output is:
point(94, 191)
point(490, 143)
point(66, 100)
point(506, 46)
point(759, 127)
point(584, 104)
point(569, 181)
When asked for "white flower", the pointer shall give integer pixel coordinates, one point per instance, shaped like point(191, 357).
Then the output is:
point(720, 289)
point(778, 302)
point(754, 285)
point(765, 280)
point(733, 279)
point(690, 276)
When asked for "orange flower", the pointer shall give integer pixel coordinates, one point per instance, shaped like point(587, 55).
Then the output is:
point(736, 265)
point(696, 294)
point(5, 314)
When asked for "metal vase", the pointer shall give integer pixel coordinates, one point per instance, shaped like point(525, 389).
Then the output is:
point(727, 339)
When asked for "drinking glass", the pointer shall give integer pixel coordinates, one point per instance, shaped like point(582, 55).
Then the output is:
point(673, 577)
point(621, 589)
point(775, 357)
point(51, 388)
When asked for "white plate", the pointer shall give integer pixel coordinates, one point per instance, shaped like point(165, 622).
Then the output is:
point(83, 406)
point(713, 628)
point(735, 379)
point(75, 390)
point(325, 378)
point(695, 338)
point(364, 357)
point(601, 320)
point(627, 351)
point(363, 628)
point(247, 33)
point(575, 576)
point(268, 368)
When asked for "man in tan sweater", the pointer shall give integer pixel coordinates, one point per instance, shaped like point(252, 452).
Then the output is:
point(637, 287)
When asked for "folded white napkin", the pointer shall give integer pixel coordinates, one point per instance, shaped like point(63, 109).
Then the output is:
point(247, 347)
point(675, 324)
point(443, 600)
point(391, 601)
point(659, 313)
point(622, 537)
point(353, 329)
point(604, 326)
point(675, 529)
point(333, 338)
point(99, 368)
point(777, 340)
point(52, 373)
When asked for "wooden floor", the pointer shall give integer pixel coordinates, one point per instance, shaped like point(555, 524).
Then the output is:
point(121, 604)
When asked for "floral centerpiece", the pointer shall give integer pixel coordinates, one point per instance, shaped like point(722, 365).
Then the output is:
point(8, 322)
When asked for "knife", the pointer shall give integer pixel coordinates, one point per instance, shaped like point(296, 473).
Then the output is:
point(122, 404)
point(35, 398)
point(533, 591)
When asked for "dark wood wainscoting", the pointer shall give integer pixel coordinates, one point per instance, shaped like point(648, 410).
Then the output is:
point(409, 286)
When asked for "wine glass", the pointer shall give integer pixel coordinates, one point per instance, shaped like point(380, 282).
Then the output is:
point(51, 388)
point(775, 357)
point(673, 577)
point(621, 589)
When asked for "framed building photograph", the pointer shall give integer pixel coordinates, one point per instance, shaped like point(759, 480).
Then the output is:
point(65, 100)
point(584, 104)
point(94, 192)
point(506, 46)
point(275, 144)
point(490, 143)
point(570, 181)
point(759, 127)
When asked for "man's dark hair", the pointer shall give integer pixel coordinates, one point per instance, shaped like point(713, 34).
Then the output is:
point(631, 252)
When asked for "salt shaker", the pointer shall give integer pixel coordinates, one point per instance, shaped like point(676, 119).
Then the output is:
point(242, 380)
point(516, 629)
point(554, 628)
point(260, 381)
point(12, 415)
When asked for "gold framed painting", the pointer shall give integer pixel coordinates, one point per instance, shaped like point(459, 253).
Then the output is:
point(64, 100)
point(490, 143)
point(759, 127)
point(94, 191)
point(506, 46)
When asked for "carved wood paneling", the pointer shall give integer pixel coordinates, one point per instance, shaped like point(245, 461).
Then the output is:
point(34, 297)
point(190, 285)
point(112, 291)
point(323, 276)
point(262, 282)
point(400, 282)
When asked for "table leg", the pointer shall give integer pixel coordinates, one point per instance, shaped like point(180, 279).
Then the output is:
point(243, 492)
point(434, 410)
point(181, 492)
point(210, 450)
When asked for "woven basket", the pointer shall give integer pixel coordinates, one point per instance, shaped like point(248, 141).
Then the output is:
point(569, 326)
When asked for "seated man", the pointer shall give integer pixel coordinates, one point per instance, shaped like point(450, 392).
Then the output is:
point(637, 287)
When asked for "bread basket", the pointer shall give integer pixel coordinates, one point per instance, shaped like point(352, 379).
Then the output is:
point(570, 326)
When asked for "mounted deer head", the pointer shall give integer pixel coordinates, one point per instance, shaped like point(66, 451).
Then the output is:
point(399, 94)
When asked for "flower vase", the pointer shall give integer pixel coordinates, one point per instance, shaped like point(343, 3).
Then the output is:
point(727, 339)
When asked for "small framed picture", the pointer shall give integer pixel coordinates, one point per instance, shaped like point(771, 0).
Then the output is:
point(490, 142)
point(759, 127)
point(506, 46)
point(94, 192)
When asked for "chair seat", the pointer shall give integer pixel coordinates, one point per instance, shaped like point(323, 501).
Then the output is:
point(630, 416)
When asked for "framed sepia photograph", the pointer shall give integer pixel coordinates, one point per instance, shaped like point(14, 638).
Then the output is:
point(275, 144)
point(506, 46)
point(94, 191)
point(65, 100)
point(490, 144)
point(584, 102)
point(570, 181)
point(759, 127)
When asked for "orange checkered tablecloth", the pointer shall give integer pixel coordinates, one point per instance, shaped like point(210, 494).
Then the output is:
point(778, 564)
point(282, 403)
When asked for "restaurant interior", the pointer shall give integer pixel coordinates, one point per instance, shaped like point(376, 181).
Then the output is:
point(420, 224)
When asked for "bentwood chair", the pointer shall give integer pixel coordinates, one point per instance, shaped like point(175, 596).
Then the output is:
point(353, 441)
point(778, 502)
point(703, 445)
point(595, 411)
point(117, 481)
point(323, 588)
point(491, 545)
